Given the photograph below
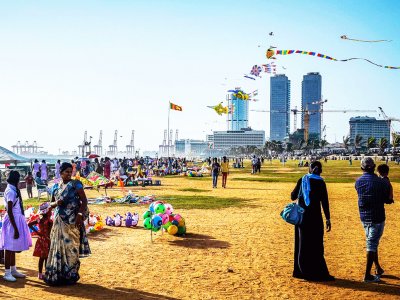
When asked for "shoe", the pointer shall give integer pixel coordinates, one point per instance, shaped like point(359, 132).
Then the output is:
point(9, 278)
point(371, 279)
point(17, 274)
point(40, 276)
point(379, 272)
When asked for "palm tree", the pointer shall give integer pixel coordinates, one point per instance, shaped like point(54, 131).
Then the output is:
point(371, 142)
point(324, 143)
point(396, 141)
point(358, 141)
point(289, 147)
point(382, 144)
point(346, 142)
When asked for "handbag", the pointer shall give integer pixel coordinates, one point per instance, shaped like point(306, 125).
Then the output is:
point(292, 214)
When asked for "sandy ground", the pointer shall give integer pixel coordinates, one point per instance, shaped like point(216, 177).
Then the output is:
point(232, 253)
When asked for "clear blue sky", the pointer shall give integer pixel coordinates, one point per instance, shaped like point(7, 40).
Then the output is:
point(70, 66)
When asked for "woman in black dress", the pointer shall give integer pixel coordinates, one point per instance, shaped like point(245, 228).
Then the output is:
point(309, 261)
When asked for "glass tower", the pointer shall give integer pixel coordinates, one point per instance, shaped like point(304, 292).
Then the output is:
point(238, 115)
point(279, 107)
point(311, 92)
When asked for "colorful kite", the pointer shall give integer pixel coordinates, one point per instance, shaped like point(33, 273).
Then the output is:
point(344, 37)
point(269, 68)
point(256, 70)
point(239, 94)
point(248, 77)
point(271, 53)
point(220, 109)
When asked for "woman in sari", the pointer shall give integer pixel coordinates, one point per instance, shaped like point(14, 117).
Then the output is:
point(68, 236)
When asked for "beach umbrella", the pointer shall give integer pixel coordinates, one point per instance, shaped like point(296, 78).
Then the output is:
point(93, 156)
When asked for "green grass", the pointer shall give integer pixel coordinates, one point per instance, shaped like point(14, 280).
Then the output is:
point(203, 202)
point(193, 190)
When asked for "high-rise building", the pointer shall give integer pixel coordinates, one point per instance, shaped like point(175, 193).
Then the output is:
point(279, 107)
point(311, 92)
point(231, 139)
point(367, 127)
point(238, 115)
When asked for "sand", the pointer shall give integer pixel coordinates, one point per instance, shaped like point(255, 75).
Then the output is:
point(232, 253)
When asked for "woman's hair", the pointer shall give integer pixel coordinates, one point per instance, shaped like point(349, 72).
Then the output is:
point(13, 178)
point(316, 167)
point(38, 174)
point(64, 166)
point(224, 158)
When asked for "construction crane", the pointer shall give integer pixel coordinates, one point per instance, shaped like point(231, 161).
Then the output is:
point(98, 149)
point(321, 109)
point(130, 149)
point(389, 121)
point(308, 112)
point(114, 148)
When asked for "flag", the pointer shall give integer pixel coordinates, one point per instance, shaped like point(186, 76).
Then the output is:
point(175, 107)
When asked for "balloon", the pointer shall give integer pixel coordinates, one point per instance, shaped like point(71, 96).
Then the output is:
point(181, 222)
point(159, 208)
point(156, 221)
point(168, 208)
point(166, 225)
point(91, 229)
point(177, 217)
point(181, 230)
point(172, 230)
point(155, 229)
point(164, 217)
point(175, 222)
point(171, 218)
point(147, 214)
point(151, 207)
point(147, 223)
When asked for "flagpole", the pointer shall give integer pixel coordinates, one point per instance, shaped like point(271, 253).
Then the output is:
point(169, 109)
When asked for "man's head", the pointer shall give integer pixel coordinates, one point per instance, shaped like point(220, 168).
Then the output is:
point(368, 165)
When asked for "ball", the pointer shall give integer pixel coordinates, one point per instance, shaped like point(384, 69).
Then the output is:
point(159, 208)
point(147, 214)
point(181, 222)
point(172, 230)
point(147, 223)
point(156, 221)
point(177, 217)
point(181, 230)
point(175, 222)
point(168, 208)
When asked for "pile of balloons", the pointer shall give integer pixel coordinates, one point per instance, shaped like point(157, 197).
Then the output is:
point(94, 223)
point(160, 216)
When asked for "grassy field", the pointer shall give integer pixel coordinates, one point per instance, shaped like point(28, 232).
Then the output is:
point(237, 246)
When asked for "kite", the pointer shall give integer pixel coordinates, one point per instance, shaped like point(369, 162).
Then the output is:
point(269, 68)
point(220, 109)
point(344, 37)
point(271, 53)
point(256, 70)
point(249, 77)
point(271, 33)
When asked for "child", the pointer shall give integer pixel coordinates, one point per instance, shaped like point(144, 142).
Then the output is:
point(42, 246)
point(29, 184)
point(15, 235)
point(383, 171)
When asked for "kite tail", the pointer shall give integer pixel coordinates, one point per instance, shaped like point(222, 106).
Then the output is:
point(371, 62)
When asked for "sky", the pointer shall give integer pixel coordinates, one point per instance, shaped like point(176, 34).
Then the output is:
point(71, 66)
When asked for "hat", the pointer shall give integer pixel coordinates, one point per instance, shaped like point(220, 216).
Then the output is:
point(44, 208)
point(367, 164)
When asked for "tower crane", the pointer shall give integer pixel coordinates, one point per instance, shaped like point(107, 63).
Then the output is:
point(130, 149)
point(98, 149)
point(308, 112)
point(389, 122)
point(113, 148)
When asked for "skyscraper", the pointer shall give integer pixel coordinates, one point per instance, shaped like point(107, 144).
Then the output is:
point(311, 92)
point(238, 115)
point(279, 107)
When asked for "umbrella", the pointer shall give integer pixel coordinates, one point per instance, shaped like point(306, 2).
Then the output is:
point(9, 157)
point(93, 156)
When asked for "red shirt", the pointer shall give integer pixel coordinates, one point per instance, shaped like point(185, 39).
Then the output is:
point(29, 179)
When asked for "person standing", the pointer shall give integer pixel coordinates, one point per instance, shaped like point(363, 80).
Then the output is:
point(373, 192)
point(36, 167)
point(29, 184)
point(107, 168)
point(58, 165)
point(15, 235)
point(309, 260)
point(224, 170)
point(68, 240)
point(44, 171)
point(215, 169)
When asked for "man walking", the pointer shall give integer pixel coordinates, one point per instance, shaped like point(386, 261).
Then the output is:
point(373, 193)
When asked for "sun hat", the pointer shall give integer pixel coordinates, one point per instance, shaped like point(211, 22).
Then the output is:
point(44, 208)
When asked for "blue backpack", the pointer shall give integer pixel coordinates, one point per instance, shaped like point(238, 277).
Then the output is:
point(293, 214)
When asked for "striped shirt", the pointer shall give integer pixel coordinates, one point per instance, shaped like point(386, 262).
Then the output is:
point(373, 193)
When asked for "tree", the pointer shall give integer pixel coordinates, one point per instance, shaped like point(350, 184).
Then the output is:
point(358, 141)
point(382, 144)
point(396, 140)
point(324, 143)
point(346, 142)
point(371, 142)
point(289, 147)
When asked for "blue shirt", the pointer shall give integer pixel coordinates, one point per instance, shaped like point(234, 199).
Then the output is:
point(373, 193)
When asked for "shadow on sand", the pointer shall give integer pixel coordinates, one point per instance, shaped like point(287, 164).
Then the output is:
point(200, 241)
